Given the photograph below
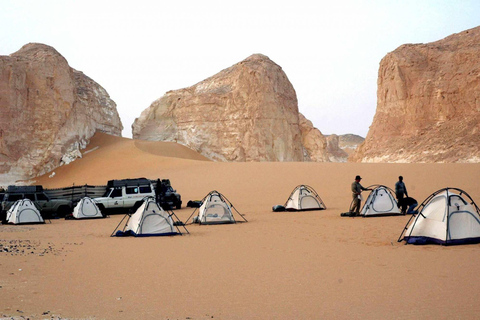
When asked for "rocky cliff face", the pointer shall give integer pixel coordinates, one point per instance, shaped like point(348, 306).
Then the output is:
point(428, 103)
point(248, 112)
point(48, 112)
point(339, 148)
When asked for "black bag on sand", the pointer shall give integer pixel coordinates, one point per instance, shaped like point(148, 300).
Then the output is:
point(348, 214)
point(278, 208)
point(194, 204)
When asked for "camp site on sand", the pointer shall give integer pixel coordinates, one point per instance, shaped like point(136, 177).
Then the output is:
point(285, 265)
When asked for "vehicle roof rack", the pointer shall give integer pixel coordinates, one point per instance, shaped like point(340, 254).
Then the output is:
point(128, 182)
point(24, 189)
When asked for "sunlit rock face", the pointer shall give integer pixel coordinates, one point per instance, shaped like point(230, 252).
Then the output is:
point(428, 103)
point(48, 112)
point(248, 112)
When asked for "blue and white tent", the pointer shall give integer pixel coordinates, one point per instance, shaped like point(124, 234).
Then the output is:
point(380, 202)
point(149, 220)
point(86, 208)
point(447, 216)
point(24, 211)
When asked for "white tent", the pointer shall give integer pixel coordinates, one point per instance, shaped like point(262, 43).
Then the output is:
point(380, 202)
point(24, 211)
point(304, 198)
point(448, 216)
point(150, 220)
point(215, 209)
point(86, 208)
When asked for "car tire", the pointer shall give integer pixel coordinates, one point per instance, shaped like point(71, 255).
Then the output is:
point(63, 211)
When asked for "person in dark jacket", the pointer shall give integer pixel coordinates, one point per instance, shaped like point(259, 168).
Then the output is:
point(407, 202)
point(400, 189)
point(357, 189)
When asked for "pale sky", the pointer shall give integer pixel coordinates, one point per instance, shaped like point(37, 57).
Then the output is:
point(330, 50)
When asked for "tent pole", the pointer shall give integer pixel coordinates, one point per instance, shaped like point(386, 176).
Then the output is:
point(232, 206)
point(173, 214)
point(203, 200)
point(120, 223)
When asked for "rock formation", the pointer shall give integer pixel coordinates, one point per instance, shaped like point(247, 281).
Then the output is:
point(339, 148)
point(314, 143)
point(248, 112)
point(428, 103)
point(48, 111)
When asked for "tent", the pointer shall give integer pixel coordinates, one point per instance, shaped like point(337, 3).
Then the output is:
point(215, 209)
point(149, 220)
point(447, 216)
point(304, 198)
point(86, 208)
point(380, 202)
point(24, 211)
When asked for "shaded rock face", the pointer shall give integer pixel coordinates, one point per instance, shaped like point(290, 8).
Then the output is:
point(335, 153)
point(314, 143)
point(339, 148)
point(428, 103)
point(248, 112)
point(48, 111)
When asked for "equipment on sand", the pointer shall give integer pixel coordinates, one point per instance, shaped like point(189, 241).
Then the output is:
point(380, 202)
point(86, 208)
point(149, 220)
point(24, 212)
point(448, 216)
point(215, 209)
point(304, 198)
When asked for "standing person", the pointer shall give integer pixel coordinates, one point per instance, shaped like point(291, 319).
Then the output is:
point(357, 189)
point(400, 189)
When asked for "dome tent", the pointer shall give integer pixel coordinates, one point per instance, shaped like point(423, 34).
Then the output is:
point(24, 211)
point(304, 198)
point(215, 209)
point(86, 208)
point(149, 220)
point(380, 202)
point(448, 216)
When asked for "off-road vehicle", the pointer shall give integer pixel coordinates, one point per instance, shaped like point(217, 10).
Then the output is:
point(167, 197)
point(49, 208)
point(122, 195)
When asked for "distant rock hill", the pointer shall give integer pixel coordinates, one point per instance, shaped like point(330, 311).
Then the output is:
point(48, 111)
point(428, 103)
point(248, 112)
point(340, 147)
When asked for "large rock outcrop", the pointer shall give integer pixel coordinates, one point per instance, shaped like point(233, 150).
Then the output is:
point(339, 148)
point(48, 112)
point(428, 103)
point(248, 112)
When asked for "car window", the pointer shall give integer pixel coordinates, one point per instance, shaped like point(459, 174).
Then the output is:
point(15, 197)
point(116, 193)
point(41, 197)
point(131, 190)
point(145, 189)
point(107, 193)
point(30, 196)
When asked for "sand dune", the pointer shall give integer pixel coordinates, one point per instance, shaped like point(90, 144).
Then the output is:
point(308, 265)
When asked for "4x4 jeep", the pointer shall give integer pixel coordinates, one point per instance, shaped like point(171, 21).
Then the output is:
point(167, 197)
point(50, 208)
point(122, 195)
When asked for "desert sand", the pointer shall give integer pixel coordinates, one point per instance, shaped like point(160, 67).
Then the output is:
point(285, 265)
